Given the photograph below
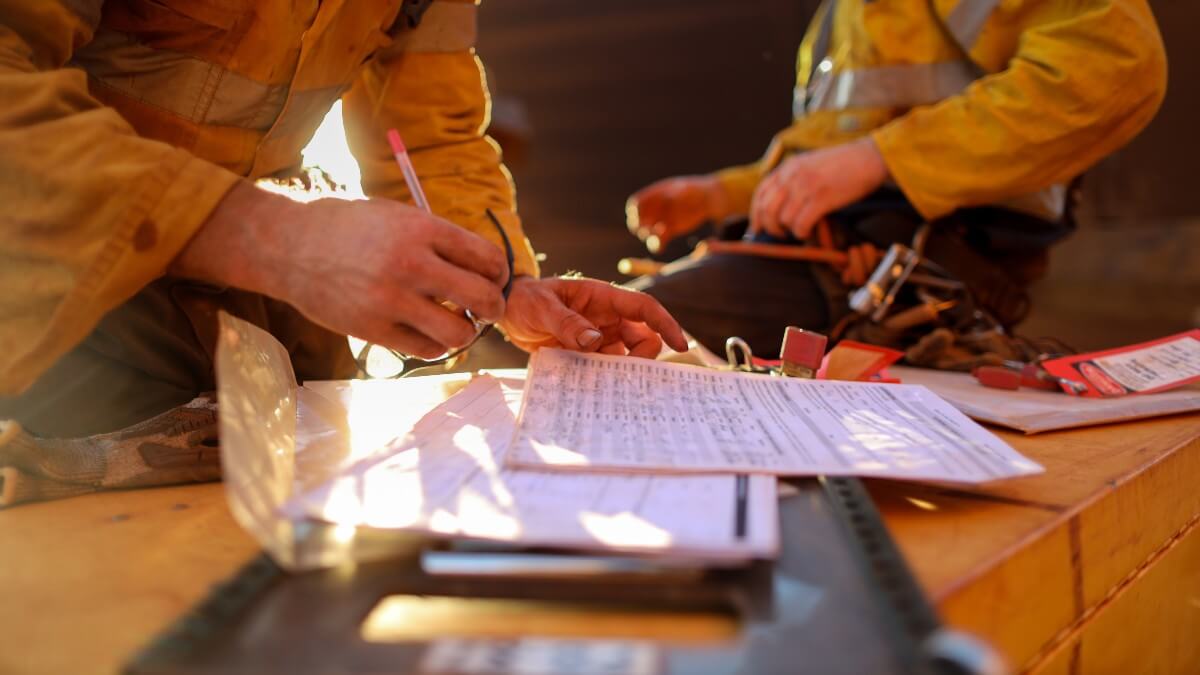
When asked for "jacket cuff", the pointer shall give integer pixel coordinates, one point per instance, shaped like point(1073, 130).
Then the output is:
point(190, 198)
point(910, 171)
point(739, 183)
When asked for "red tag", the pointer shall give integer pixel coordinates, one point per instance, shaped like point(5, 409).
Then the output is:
point(856, 361)
point(1143, 368)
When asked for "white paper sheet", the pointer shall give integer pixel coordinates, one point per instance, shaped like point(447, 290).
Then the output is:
point(587, 411)
point(1036, 411)
point(448, 477)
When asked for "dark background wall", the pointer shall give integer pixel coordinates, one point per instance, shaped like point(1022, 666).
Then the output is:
point(620, 93)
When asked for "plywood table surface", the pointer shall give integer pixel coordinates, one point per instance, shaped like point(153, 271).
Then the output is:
point(1029, 563)
point(1052, 569)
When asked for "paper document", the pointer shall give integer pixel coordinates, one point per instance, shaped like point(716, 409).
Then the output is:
point(448, 477)
point(1034, 411)
point(587, 411)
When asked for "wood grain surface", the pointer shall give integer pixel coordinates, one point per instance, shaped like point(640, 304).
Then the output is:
point(1086, 567)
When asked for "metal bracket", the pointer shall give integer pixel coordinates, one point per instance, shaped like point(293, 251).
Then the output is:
point(875, 297)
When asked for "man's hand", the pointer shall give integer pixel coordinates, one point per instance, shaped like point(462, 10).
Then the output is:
point(805, 188)
point(374, 269)
point(672, 207)
point(588, 315)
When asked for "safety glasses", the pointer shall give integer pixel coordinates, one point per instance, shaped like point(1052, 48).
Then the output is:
point(379, 362)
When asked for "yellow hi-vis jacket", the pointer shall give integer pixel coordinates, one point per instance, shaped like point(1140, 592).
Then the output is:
point(973, 102)
point(124, 122)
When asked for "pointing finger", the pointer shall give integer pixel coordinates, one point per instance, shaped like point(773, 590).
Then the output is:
point(634, 306)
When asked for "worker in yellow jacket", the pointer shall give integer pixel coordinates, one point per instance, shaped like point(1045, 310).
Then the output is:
point(129, 133)
point(972, 115)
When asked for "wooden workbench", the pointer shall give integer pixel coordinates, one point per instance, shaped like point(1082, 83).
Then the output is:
point(1092, 567)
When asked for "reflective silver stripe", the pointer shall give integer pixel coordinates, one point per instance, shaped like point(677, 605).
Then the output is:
point(444, 27)
point(900, 86)
point(1049, 204)
point(820, 47)
point(966, 21)
point(194, 89)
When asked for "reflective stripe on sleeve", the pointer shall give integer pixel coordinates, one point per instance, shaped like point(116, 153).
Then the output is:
point(966, 21)
point(1049, 204)
point(899, 86)
point(192, 88)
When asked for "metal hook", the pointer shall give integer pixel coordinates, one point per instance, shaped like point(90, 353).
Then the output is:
point(736, 347)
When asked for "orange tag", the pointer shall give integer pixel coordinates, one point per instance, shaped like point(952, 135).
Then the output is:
point(856, 361)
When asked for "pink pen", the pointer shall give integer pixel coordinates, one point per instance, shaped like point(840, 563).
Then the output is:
point(410, 174)
point(414, 186)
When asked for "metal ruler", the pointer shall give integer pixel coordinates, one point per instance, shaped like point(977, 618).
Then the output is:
point(916, 628)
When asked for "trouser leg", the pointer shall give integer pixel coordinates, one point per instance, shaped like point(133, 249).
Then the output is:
point(155, 352)
point(141, 360)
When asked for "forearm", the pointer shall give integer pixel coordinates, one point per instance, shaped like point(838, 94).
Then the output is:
point(243, 243)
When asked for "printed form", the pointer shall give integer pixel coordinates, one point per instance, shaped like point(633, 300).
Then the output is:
point(589, 411)
point(448, 477)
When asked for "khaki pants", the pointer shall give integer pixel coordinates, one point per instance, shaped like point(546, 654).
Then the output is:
point(155, 352)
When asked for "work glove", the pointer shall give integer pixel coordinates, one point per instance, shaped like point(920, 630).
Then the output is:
point(178, 446)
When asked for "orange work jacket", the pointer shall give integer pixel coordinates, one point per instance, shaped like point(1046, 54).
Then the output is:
point(973, 102)
point(124, 122)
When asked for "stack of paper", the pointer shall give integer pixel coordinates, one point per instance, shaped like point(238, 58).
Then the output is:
point(595, 412)
point(599, 457)
point(448, 477)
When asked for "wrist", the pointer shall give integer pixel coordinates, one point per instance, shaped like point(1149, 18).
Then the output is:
point(522, 284)
point(872, 159)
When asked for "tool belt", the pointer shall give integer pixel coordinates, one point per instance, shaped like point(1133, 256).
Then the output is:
point(948, 293)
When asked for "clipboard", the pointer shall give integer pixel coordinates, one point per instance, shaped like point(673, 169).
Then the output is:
point(813, 611)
